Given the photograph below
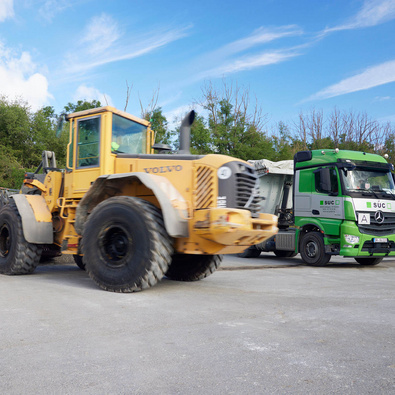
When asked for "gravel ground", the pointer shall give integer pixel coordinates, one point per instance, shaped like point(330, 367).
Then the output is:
point(256, 326)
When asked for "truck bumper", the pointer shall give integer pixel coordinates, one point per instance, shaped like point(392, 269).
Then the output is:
point(367, 245)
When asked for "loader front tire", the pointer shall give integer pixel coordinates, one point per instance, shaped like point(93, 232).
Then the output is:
point(17, 256)
point(187, 267)
point(126, 247)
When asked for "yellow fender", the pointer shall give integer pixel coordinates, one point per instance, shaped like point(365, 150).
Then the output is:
point(36, 218)
point(173, 205)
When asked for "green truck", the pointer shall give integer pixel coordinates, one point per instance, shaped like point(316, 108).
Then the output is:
point(329, 202)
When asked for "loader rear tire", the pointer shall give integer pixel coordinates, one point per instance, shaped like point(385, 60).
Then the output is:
point(187, 267)
point(17, 256)
point(126, 247)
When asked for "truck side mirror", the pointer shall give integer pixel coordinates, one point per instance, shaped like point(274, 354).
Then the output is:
point(324, 180)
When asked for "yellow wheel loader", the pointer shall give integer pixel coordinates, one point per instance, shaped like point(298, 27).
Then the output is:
point(128, 210)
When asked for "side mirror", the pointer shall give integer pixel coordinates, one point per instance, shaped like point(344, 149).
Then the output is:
point(325, 180)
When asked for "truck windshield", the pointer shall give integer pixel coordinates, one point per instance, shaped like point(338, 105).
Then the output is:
point(128, 137)
point(368, 182)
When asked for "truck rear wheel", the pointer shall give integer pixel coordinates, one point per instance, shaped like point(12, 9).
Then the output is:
point(126, 247)
point(17, 256)
point(188, 267)
point(312, 249)
point(250, 252)
point(369, 261)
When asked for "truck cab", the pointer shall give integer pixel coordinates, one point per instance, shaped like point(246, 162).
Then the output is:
point(343, 203)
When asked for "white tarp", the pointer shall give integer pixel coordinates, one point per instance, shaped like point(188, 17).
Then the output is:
point(264, 166)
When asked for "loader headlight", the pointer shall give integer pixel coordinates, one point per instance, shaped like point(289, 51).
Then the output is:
point(224, 172)
point(351, 239)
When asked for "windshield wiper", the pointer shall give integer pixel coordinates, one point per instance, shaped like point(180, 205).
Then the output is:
point(390, 193)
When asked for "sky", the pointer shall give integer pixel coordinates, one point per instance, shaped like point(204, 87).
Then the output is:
point(292, 56)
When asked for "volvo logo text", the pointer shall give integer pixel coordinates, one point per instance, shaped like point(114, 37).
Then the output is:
point(379, 217)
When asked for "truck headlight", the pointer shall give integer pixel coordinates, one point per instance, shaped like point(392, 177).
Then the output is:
point(351, 239)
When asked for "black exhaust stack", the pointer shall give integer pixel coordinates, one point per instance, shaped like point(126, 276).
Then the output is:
point(185, 134)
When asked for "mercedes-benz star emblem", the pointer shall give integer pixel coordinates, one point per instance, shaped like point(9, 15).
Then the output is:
point(379, 216)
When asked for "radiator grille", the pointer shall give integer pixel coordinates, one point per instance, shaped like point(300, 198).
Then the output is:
point(205, 187)
point(247, 195)
point(387, 227)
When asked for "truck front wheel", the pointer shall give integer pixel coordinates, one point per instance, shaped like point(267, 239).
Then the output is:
point(17, 256)
point(312, 249)
point(369, 261)
point(126, 247)
point(186, 267)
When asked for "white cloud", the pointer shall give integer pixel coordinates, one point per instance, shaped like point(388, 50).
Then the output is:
point(88, 93)
point(259, 37)
point(248, 63)
point(372, 13)
point(228, 59)
point(101, 32)
point(105, 44)
point(371, 77)
point(51, 8)
point(19, 79)
point(6, 9)
point(175, 116)
point(382, 98)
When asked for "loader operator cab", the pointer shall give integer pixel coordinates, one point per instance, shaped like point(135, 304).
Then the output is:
point(90, 129)
point(97, 137)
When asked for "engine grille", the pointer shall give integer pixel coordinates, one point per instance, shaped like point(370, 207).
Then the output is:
point(239, 190)
point(205, 187)
point(387, 227)
point(247, 193)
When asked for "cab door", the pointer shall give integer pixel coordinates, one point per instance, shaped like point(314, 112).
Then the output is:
point(87, 158)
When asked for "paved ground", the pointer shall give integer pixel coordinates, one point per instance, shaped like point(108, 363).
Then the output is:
point(258, 326)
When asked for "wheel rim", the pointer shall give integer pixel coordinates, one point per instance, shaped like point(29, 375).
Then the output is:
point(5, 241)
point(115, 245)
point(311, 249)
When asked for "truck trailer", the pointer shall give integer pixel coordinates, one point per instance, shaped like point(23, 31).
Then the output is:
point(329, 202)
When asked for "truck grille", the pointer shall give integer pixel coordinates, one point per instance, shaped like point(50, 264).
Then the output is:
point(387, 227)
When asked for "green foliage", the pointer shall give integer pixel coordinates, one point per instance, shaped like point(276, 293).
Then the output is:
point(200, 137)
point(160, 125)
point(225, 127)
point(25, 134)
point(230, 132)
point(81, 105)
point(11, 171)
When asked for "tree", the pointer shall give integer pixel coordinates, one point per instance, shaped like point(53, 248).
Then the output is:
point(159, 124)
point(234, 129)
point(200, 137)
point(81, 105)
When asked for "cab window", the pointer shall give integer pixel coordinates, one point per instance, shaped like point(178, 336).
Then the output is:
point(333, 182)
point(88, 142)
point(128, 137)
